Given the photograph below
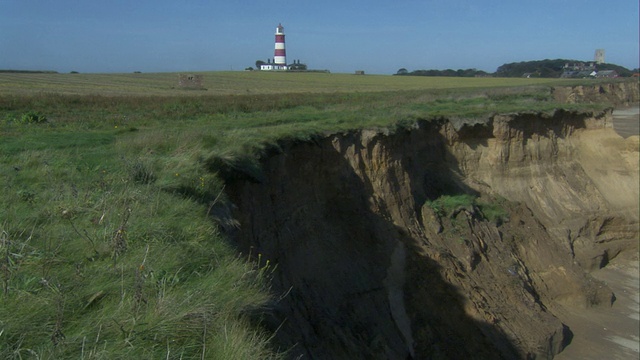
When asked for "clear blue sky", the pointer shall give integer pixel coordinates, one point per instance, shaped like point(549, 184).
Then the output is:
point(339, 35)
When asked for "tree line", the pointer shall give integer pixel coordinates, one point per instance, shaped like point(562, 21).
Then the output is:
point(537, 68)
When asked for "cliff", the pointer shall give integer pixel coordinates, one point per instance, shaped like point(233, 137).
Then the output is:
point(369, 263)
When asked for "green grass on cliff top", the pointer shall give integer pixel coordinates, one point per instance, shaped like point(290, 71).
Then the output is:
point(111, 196)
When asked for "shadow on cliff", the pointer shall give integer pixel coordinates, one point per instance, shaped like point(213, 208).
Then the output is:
point(330, 233)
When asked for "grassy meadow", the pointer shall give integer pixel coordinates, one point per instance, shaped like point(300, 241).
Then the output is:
point(113, 198)
point(239, 83)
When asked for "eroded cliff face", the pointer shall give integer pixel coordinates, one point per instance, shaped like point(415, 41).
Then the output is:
point(618, 94)
point(575, 173)
point(367, 269)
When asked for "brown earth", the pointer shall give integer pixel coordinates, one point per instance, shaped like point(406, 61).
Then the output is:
point(611, 332)
point(368, 268)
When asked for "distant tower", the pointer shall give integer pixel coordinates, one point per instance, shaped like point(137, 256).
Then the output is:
point(280, 54)
point(599, 58)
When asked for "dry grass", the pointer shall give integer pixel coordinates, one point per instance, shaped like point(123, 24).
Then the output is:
point(241, 83)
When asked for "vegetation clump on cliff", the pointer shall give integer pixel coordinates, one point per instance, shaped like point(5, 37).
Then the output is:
point(450, 205)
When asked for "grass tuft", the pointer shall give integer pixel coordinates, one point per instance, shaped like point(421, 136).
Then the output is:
point(449, 205)
point(446, 205)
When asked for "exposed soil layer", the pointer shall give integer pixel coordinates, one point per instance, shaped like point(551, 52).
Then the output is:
point(367, 266)
point(611, 332)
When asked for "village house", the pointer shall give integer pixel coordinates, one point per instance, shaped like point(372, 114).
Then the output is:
point(607, 74)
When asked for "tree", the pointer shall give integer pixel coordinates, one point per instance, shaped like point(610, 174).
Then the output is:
point(402, 71)
point(259, 63)
point(298, 66)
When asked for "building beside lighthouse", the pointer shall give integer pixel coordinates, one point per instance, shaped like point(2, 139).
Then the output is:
point(280, 53)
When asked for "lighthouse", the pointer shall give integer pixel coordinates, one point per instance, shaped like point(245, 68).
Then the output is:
point(280, 53)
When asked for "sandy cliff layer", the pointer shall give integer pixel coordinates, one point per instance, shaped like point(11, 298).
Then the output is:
point(368, 268)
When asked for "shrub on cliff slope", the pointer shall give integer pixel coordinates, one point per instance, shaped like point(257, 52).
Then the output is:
point(450, 205)
point(445, 205)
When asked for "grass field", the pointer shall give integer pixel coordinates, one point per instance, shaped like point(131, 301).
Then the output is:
point(241, 83)
point(113, 192)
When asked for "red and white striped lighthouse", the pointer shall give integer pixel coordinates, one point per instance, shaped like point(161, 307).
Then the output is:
point(280, 53)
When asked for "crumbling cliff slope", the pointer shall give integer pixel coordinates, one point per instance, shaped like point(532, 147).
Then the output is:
point(372, 262)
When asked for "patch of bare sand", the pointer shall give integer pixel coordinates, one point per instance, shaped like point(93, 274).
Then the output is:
point(627, 121)
point(608, 332)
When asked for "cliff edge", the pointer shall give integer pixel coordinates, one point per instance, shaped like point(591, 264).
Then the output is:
point(452, 238)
